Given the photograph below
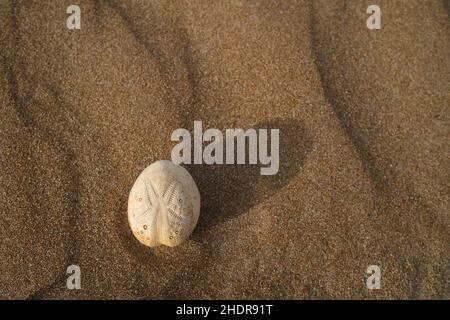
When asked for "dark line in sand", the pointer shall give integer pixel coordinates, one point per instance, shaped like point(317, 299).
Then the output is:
point(14, 92)
point(72, 170)
point(337, 104)
point(417, 280)
point(164, 66)
point(149, 47)
point(446, 4)
point(193, 76)
point(71, 167)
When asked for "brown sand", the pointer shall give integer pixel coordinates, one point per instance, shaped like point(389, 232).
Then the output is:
point(364, 123)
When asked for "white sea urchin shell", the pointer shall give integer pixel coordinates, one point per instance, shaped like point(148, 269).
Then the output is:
point(164, 205)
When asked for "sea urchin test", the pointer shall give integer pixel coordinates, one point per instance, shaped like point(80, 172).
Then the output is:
point(164, 205)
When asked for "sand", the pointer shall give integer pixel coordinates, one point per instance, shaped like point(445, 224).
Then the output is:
point(364, 149)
